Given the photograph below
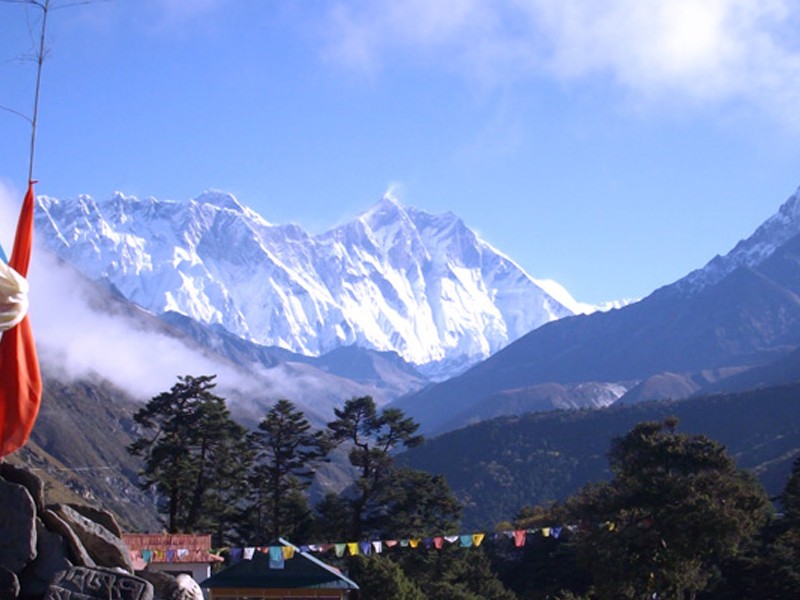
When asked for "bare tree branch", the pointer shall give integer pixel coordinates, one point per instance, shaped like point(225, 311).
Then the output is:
point(41, 4)
point(16, 112)
point(76, 3)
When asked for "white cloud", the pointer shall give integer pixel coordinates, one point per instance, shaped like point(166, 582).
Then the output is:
point(75, 339)
point(707, 51)
point(78, 339)
point(710, 49)
point(360, 33)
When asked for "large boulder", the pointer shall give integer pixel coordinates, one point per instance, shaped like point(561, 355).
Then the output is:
point(77, 553)
point(189, 588)
point(167, 587)
point(102, 517)
point(83, 583)
point(54, 551)
point(51, 558)
point(105, 548)
point(26, 479)
point(17, 526)
point(9, 584)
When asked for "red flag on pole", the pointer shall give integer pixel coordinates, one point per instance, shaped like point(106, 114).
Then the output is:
point(20, 380)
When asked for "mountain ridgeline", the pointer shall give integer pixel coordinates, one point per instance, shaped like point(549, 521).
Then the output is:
point(740, 311)
point(277, 313)
point(399, 280)
point(394, 279)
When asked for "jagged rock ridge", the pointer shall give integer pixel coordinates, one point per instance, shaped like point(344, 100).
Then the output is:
point(394, 279)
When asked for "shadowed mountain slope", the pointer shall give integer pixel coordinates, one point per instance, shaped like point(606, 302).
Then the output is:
point(749, 317)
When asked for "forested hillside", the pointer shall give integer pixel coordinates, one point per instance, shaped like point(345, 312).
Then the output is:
point(497, 467)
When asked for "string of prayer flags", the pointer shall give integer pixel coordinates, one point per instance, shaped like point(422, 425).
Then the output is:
point(279, 554)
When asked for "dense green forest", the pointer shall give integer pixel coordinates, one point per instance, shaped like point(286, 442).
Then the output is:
point(496, 467)
point(633, 502)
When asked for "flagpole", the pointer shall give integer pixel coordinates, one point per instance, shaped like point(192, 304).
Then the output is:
point(39, 62)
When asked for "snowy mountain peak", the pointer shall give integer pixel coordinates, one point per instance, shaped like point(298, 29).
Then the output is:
point(773, 233)
point(387, 212)
point(395, 278)
point(221, 200)
point(390, 198)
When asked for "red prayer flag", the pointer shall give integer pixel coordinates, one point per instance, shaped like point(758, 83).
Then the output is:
point(20, 380)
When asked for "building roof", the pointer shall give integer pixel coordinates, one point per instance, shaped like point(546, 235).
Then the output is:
point(170, 547)
point(302, 571)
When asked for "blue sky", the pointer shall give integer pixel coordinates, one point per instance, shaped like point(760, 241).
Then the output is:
point(612, 146)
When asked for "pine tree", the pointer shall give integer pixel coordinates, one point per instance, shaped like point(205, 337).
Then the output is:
point(413, 503)
point(380, 577)
point(333, 518)
point(194, 454)
point(676, 507)
point(372, 437)
point(790, 499)
point(770, 568)
point(454, 573)
point(287, 450)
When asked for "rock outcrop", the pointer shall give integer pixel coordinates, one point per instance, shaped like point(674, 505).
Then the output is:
point(68, 552)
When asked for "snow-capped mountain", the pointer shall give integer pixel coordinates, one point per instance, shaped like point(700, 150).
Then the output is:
point(750, 252)
point(395, 278)
point(739, 312)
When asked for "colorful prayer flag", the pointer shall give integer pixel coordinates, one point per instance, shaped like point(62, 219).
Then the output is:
point(20, 379)
point(519, 538)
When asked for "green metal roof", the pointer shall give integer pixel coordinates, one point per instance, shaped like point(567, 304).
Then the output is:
point(302, 571)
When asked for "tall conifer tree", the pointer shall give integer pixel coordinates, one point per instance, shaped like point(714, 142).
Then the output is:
point(194, 454)
point(676, 507)
point(287, 450)
point(372, 438)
